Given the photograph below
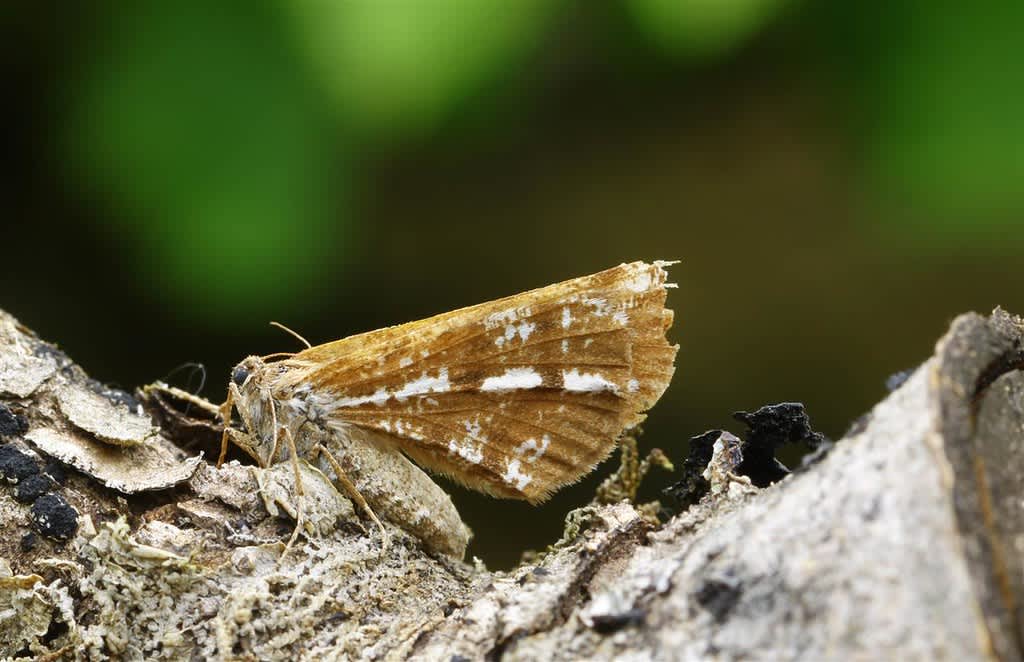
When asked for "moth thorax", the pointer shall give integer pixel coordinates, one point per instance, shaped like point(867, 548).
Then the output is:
point(304, 404)
point(258, 422)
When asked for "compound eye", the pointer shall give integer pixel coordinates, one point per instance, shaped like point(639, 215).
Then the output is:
point(239, 375)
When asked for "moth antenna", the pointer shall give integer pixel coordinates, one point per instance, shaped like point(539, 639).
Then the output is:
point(276, 447)
point(194, 368)
point(275, 355)
point(189, 395)
point(287, 330)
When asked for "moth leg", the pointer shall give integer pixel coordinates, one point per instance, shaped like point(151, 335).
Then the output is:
point(225, 416)
point(239, 438)
point(300, 523)
point(300, 517)
point(295, 457)
point(277, 445)
point(232, 435)
point(353, 493)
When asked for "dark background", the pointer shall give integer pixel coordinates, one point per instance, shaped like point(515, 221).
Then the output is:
point(839, 180)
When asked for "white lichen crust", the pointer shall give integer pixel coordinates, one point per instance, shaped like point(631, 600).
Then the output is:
point(139, 468)
point(111, 422)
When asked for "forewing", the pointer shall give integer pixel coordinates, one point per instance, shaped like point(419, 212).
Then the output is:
point(516, 397)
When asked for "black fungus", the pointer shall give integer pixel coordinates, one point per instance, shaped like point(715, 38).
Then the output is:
point(608, 623)
point(54, 517)
point(32, 487)
point(46, 350)
point(693, 486)
point(57, 471)
point(114, 395)
point(775, 425)
point(15, 464)
point(28, 542)
point(11, 424)
point(768, 428)
point(718, 597)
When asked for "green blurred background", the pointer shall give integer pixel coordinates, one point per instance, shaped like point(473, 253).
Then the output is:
point(839, 180)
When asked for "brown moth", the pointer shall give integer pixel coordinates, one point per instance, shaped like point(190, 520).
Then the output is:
point(514, 398)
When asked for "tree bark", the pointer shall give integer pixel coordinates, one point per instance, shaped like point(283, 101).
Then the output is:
point(905, 541)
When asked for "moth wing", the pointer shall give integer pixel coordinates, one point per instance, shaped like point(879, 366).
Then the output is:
point(515, 397)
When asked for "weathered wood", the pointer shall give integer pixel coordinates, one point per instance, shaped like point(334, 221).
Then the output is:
point(905, 541)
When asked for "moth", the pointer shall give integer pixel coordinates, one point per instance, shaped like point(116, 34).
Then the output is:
point(514, 398)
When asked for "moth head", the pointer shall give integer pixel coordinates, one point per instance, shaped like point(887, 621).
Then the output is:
point(246, 374)
point(247, 384)
point(248, 379)
point(239, 375)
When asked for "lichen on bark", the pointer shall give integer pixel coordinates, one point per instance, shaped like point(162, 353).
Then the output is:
point(900, 542)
